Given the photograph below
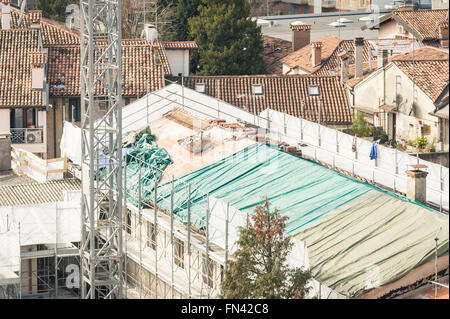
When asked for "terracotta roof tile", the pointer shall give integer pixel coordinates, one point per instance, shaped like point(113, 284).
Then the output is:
point(425, 21)
point(179, 45)
point(15, 68)
point(331, 48)
point(287, 94)
point(274, 51)
point(138, 68)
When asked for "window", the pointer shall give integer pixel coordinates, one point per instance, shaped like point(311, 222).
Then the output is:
point(313, 90)
point(74, 110)
point(208, 271)
point(200, 87)
point(151, 236)
point(332, 72)
point(257, 89)
point(222, 273)
point(179, 252)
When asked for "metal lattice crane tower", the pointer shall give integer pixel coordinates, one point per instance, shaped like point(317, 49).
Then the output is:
point(101, 100)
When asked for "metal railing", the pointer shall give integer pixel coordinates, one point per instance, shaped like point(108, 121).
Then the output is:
point(27, 135)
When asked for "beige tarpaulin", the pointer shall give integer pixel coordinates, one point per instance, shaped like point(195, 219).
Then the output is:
point(371, 241)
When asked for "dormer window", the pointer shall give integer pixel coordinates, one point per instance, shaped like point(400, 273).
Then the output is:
point(200, 87)
point(331, 72)
point(257, 89)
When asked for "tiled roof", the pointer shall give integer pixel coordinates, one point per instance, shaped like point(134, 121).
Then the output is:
point(36, 193)
point(430, 76)
point(331, 47)
point(429, 69)
point(138, 69)
point(287, 94)
point(425, 21)
point(15, 68)
point(179, 45)
point(274, 51)
point(53, 32)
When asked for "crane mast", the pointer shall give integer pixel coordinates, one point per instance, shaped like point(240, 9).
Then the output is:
point(101, 251)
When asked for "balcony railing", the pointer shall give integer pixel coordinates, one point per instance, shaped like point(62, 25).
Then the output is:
point(27, 135)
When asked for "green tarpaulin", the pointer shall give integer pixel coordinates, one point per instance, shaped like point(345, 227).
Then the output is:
point(300, 189)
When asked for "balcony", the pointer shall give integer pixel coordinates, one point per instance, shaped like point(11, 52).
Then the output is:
point(27, 135)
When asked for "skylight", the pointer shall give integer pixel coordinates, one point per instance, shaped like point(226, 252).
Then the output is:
point(313, 90)
point(257, 89)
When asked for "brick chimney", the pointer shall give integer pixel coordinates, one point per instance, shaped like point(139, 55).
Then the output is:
point(6, 14)
point(316, 53)
point(416, 183)
point(382, 57)
point(359, 47)
point(301, 36)
point(38, 60)
point(345, 61)
point(443, 33)
point(35, 18)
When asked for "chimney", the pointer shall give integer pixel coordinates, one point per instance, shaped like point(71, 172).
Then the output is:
point(301, 35)
point(151, 34)
point(416, 183)
point(382, 57)
point(38, 60)
point(6, 14)
point(443, 33)
point(345, 60)
point(359, 46)
point(35, 18)
point(5, 151)
point(316, 53)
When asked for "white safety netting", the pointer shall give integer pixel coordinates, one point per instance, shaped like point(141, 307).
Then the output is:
point(352, 155)
point(47, 223)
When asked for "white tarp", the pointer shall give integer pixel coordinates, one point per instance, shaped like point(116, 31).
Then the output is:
point(218, 220)
point(10, 251)
point(48, 223)
point(71, 143)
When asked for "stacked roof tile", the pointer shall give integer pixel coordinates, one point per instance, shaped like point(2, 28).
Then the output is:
point(288, 94)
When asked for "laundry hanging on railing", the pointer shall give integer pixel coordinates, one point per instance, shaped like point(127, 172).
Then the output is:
point(373, 151)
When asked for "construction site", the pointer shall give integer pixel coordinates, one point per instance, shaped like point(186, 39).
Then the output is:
point(147, 198)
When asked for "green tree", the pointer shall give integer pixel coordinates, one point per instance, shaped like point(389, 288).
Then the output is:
point(259, 269)
point(54, 9)
point(180, 11)
point(229, 42)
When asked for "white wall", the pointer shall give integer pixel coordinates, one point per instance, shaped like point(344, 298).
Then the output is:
point(179, 61)
point(4, 120)
point(381, 88)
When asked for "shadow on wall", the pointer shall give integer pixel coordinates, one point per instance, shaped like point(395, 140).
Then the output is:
point(437, 157)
